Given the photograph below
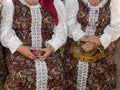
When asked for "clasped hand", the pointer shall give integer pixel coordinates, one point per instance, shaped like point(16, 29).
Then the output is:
point(91, 43)
point(26, 51)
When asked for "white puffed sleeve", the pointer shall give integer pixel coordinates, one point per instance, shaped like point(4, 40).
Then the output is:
point(60, 31)
point(7, 34)
point(112, 31)
point(74, 28)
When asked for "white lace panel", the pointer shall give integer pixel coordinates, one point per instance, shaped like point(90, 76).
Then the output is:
point(36, 28)
point(82, 75)
point(93, 19)
point(41, 75)
point(41, 68)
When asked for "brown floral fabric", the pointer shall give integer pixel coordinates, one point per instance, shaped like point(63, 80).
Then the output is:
point(103, 18)
point(3, 68)
point(22, 71)
point(101, 74)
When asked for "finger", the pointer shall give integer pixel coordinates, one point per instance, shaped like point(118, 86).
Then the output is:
point(95, 40)
point(86, 45)
point(42, 58)
point(88, 49)
point(31, 55)
point(31, 48)
point(43, 49)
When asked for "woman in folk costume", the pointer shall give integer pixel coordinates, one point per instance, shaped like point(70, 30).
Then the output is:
point(29, 26)
point(93, 26)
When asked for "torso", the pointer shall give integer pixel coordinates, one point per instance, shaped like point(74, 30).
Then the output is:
point(23, 19)
point(94, 19)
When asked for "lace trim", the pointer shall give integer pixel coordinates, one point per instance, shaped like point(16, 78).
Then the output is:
point(41, 68)
point(82, 75)
point(93, 21)
point(41, 75)
point(36, 28)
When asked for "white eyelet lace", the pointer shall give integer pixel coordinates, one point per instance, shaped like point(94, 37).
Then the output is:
point(82, 75)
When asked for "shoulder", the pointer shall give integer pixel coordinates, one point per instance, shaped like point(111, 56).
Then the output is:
point(59, 5)
point(115, 2)
point(7, 2)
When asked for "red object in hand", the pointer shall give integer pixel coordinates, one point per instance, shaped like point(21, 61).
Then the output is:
point(37, 52)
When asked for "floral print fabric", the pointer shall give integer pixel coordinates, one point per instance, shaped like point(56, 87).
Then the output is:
point(3, 68)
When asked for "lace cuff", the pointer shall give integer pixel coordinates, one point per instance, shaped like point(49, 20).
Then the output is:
point(105, 40)
point(53, 43)
point(14, 43)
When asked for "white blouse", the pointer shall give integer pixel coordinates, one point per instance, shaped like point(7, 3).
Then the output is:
point(111, 32)
point(10, 40)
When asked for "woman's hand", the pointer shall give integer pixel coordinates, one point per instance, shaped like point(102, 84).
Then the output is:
point(26, 51)
point(48, 52)
point(92, 42)
point(88, 46)
point(95, 40)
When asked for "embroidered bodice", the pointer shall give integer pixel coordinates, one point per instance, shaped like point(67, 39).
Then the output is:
point(93, 20)
point(22, 23)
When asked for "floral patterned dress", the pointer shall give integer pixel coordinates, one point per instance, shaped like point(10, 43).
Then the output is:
point(27, 74)
point(100, 75)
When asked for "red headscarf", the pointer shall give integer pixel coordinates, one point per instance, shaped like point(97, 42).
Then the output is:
point(48, 5)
